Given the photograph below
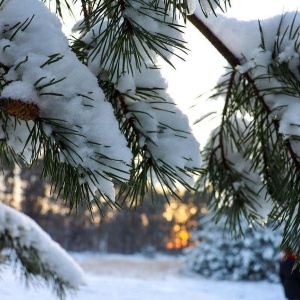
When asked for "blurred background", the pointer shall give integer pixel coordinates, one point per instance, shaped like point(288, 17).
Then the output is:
point(156, 225)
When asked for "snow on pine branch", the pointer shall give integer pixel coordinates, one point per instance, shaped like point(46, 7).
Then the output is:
point(39, 255)
point(39, 68)
point(269, 52)
point(126, 35)
point(161, 128)
point(230, 157)
point(165, 131)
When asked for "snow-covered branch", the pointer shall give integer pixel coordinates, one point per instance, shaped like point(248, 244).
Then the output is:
point(264, 59)
point(37, 254)
point(44, 71)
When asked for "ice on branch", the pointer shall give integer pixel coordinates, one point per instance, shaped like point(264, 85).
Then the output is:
point(38, 253)
point(40, 68)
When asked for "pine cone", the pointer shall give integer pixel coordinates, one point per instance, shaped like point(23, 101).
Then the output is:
point(25, 111)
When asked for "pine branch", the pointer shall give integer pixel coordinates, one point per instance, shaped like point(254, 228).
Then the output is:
point(36, 255)
point(224, 113)
point(148, 169)
point(58, 6)
point(119, 41)
point(4, 67)
point(234, 61)
point(270, 153)
point(86, 8)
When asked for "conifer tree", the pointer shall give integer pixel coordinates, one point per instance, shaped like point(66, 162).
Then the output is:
point(96, 109)
point(218, 254)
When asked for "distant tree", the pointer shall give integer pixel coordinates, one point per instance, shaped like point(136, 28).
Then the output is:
point(7, 184)
point(75, 231)
point(220, 255)
point(132, 231)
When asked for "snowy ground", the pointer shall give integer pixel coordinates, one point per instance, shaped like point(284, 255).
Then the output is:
point(117, 277)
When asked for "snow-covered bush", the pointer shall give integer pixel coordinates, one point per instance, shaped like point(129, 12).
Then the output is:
point(217, 254)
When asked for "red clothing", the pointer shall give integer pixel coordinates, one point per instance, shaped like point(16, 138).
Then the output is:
point(289, 256)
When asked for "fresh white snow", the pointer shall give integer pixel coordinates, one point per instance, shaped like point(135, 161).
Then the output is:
point(26, 234)
point(134, 277)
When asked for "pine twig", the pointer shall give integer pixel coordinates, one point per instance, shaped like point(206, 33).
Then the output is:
point(86, 13)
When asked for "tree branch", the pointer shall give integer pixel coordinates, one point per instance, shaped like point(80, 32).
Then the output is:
point(234, 61)
point(214, 40)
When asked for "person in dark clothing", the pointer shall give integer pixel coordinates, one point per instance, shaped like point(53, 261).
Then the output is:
point(290, 279)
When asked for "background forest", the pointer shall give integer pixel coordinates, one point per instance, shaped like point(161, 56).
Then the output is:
point(157, 225)
point(177, 227)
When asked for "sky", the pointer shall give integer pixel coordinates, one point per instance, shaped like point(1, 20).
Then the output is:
point(204, 65)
